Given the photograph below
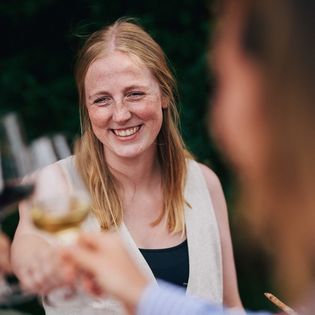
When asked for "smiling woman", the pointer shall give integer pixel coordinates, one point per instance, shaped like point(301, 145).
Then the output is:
point(124, 104)
point(141, 179)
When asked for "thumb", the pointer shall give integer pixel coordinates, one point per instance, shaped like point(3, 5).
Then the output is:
point(82, 258)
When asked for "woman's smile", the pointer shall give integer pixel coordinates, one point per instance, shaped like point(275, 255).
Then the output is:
point(126, 132)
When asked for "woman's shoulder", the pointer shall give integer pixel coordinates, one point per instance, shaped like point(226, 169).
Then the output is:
point(67, 163)
point(70, 160)
point(211, 178)
point(63, 166)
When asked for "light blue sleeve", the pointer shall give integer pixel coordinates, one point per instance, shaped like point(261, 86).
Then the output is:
point(167, 299)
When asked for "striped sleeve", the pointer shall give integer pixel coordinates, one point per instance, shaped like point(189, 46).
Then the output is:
point(166, 299)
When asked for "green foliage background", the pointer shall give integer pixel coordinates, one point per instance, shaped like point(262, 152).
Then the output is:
point(40, 39)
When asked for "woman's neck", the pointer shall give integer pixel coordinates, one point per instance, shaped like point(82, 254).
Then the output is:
point(140, 171)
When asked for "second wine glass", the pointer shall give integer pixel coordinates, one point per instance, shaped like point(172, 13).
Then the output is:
point(14, 165)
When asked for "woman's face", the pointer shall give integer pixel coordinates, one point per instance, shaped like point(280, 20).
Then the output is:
point(238, 124)
point(124, 104)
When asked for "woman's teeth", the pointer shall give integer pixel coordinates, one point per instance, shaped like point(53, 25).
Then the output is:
point(126, 132)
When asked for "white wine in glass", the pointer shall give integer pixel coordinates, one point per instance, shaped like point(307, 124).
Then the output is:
point(62, 216)
point(59, 205)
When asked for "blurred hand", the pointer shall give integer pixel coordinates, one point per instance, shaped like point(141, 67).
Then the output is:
point(41, 270)
point(5, 266)
point(105, 267)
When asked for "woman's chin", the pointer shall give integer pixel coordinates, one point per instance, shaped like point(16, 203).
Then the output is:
point(129, 154)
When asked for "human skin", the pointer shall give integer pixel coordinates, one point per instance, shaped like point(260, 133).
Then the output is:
point(104, 265)
point(124, 104)
point(121, 94)
point(238, 122)
point(5, 266)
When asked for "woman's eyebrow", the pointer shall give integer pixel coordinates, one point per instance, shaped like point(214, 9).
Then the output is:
point(98, 93)
point(135, 86)
point(125, 90)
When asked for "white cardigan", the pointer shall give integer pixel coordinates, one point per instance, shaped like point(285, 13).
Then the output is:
point(204, 249)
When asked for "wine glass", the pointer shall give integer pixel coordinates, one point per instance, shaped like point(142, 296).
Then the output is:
point(60, 206)
point(14, 165)
point(60, 202)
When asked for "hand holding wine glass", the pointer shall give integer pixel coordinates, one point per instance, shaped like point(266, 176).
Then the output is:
point(34, 260)
point(55, 212)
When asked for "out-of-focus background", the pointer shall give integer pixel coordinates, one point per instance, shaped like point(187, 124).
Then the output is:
point(39, 42)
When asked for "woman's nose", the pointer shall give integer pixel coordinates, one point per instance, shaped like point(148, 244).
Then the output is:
point(121, 113)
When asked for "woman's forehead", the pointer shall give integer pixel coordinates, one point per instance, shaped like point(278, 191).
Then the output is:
point(116, 63)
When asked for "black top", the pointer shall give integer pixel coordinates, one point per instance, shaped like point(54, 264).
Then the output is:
point(169, 264)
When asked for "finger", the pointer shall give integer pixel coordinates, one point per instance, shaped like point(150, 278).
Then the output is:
point(84, 258)
point(69, 272)
point(91, 287)
point(91, 241)
point(38, 284)
point(99, 241)
point(40, 279)
point(51, 278)
point(28, 285)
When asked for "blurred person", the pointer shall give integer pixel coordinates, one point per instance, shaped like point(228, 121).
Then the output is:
point(168, 208)
point(263, 120)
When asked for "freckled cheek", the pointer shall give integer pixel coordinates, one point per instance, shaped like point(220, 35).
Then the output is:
point(148, 111)
point(99, 118)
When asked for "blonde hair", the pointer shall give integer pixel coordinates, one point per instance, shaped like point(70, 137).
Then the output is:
point(128, 37)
